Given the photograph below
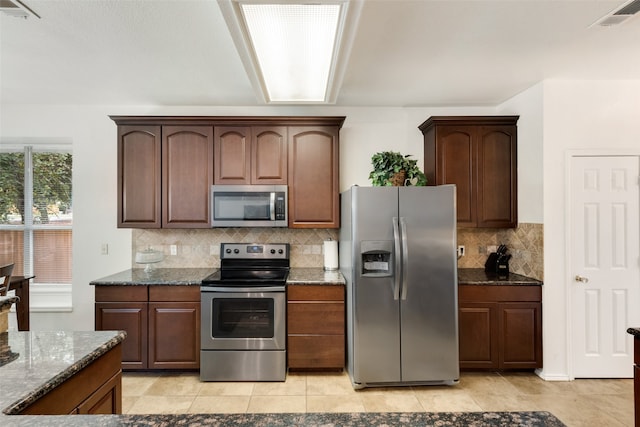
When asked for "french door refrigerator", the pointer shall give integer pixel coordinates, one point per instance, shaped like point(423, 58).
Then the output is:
point(398, 256)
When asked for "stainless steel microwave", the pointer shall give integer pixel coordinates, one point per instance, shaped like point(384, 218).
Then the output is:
point(249, 206)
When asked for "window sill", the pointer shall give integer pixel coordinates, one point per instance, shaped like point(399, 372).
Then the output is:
point(50, 298)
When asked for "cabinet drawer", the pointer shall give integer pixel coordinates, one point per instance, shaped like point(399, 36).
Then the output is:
point(315, 293)
point(174, 293)
point(321, 318)
point(499, 293)
point(316, 351)
point(121, 293)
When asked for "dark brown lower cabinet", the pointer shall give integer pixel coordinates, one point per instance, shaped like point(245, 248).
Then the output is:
point(174, 332)
point(315, 327)
point(500, 327)
point(162, 324)
point(125, 308)
point(96, 389)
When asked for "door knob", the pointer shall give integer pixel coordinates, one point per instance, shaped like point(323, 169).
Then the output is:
point(581, 279)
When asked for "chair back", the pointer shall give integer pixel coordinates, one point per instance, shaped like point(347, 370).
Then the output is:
point(5, 278)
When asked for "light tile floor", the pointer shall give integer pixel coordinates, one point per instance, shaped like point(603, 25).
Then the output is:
point(583, 402)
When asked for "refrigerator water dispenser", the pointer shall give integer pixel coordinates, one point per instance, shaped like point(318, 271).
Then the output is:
point(376, 258)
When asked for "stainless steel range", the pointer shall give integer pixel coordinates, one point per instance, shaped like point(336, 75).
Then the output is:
point(244, 314)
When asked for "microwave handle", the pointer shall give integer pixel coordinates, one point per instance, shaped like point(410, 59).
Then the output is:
point(272, 206)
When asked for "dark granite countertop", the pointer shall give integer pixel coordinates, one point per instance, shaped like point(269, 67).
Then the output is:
point(193, 277)
point(314, 276)
point(417, 419)
point(45, 360)
point(297, 276)
point(6, 301)
point(158, 276)
point(477, 276)
point(634, 331)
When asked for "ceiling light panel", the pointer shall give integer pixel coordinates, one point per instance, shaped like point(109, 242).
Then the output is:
point(294, 45)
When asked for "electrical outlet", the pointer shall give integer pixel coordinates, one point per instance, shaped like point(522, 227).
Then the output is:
point(492, 248)
point(461, 251)
point(104, 249)
point(173, 249)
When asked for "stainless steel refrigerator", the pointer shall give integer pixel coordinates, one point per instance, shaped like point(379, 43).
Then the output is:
point(398, 255)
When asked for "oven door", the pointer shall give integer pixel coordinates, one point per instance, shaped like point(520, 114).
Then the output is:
point(243, 318)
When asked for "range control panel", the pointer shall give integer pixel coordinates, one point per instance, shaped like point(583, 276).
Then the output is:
point(254, 251)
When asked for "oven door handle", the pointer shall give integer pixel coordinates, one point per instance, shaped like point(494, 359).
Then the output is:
point(241, 289)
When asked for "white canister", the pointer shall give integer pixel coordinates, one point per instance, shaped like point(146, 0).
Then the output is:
point(330, 254)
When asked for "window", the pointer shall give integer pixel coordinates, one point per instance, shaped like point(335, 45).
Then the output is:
point(36, 214)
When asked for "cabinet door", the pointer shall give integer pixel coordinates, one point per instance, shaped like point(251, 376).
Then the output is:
point(313, 177)
point(479, 335)
point(269, 155)
point(456, 164)
point(132, 318)
point(187, 176)
point(106, 400)
point(174, 335)
point(497, 202)
point(139, 177)
point(521, 335)
point(232, 155)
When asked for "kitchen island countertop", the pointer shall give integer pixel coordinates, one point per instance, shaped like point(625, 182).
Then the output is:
point(7, 300)
point(41, 361)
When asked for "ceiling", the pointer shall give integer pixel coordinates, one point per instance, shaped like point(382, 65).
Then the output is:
point(405, 52)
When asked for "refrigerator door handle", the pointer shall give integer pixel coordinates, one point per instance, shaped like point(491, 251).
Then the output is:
point(405, 257)
point(397, 256)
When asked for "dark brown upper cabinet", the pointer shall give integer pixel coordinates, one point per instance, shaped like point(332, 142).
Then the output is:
point(314, 177)
point(250, 155)
point(479, 155)
point(139, 176)
point(167, 164)
point(187, 176)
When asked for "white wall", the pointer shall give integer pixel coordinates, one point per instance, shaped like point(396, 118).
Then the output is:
point(528, 105)
point(577, 115)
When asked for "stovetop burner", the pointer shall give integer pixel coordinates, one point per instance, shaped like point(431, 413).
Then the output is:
point(251, 265)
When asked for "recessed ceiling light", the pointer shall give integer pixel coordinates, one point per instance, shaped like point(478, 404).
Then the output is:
point(294, 52)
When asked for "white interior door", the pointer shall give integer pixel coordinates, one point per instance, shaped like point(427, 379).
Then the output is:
point(605, 270)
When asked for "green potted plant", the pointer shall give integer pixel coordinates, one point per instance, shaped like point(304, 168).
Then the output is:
point(392, 168)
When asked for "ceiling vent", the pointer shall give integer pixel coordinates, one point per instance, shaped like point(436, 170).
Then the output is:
point(17, 9)
point(619, 15)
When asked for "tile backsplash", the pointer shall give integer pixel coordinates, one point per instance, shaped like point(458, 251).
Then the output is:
point(201, 248)
point(525, 243)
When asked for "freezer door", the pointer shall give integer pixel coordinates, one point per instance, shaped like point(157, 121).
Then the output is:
point(375, 334)
point(429, 296)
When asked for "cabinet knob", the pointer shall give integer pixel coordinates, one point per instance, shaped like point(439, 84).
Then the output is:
point(581, 279)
